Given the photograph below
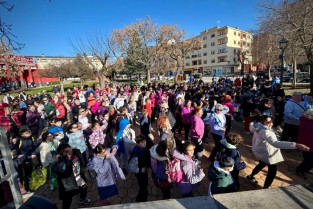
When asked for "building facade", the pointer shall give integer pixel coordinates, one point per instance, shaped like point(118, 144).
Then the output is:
point(219, 56)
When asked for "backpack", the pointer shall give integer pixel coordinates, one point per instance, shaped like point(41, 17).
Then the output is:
point(176, 173)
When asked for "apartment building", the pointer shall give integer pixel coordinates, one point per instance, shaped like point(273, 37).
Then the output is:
point(219, 53)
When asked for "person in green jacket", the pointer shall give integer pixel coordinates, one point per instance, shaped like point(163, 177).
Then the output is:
point(49, 108)
point(220, 176)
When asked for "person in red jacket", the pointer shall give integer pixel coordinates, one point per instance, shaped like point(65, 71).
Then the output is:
point(147, 107)
point(305, 136)
point(60, 111)
point(2, 106)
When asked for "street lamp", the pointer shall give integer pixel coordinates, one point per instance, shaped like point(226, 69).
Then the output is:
point(282, 45)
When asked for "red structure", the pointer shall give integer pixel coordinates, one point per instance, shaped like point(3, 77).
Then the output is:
point(28, 73)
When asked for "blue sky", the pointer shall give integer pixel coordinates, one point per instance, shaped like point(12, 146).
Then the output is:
point(46, 27)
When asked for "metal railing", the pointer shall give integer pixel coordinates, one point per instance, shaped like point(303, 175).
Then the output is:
point(11, 174)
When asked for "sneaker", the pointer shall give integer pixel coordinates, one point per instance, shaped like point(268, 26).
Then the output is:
point(85, 201)
point(301, 174)
point(252, 179)
point(125, 171)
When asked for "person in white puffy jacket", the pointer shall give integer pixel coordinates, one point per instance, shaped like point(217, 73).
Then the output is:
point(266, 148)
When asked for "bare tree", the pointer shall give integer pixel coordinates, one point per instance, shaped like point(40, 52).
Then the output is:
point(81, 69)
point(177, 46)
point(292, 19)
point(61, 70)
point(101, 48)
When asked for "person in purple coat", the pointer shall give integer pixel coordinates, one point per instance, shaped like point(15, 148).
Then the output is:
point(32, 120)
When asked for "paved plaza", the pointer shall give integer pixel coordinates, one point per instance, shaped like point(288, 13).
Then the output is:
point(128, 189)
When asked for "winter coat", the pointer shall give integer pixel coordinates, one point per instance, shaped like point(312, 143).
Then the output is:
point(145, 125)
point(91, 102)
point(197, 127)
point(101, 111)
point(107, 170)
point(293, 111)
point(265, 145)
point(148, 108)
point(60, 110)
point(192, 175)
point(207, 112)
point(222, 181)
point(305, 135)
point(162, 163)
point(216, 124)
point(77, 141)
point(97, 136)
point(129, 138)
point(232, 151)
point(95, 107)
point(139, 158)
point(68, 186)
point(26, 146)
point(48, 152)
point(186, 115)
point(32, 118)
point(49, 107)
point(170, 116)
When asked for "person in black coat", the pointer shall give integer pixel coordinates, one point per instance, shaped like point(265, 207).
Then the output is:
point(69, 177)
point(229, 148)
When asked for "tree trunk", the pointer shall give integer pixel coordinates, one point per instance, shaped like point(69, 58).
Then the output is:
point(176, 76)
point(62, 85)
point(148, 75)
point(294, 70)
point(269, 72)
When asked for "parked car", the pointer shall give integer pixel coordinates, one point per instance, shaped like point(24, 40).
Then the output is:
point(302, 77)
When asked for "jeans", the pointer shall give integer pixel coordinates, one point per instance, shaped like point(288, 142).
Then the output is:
point(66, 204)
point(217, 139)
point(187, 130)
point(307, 163)
point(142, 179)
point(128, 149)
point(272, 169)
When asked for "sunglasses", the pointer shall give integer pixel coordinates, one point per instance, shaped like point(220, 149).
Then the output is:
point(74, 127)
point(219, 110)
point(44, 100)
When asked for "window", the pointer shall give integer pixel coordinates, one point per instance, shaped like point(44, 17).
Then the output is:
point(199, 55)
point(234, 32)
point(244, 43)
point(213, 44)
point(221, 59)
point(204, 38)
point(194, 56)
point(187, 64)
point(248, 44)
point(222, 50)
point(234, 59)
point(204, 45)
point(205, 54)
point(199, 62)
point(194, 62)
point(234, 51)
point(234, 42)
point(188, 57)
point(213, 52)
point(213, 61)
point(244, 35)
point(212, 35)
point(238, 34)
point(205, 61)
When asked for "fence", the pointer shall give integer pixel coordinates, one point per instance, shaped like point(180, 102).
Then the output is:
point(8, 172)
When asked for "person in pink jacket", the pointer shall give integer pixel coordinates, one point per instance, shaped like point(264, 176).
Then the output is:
point(197, 131)
point(97, 136)
point(186, 117)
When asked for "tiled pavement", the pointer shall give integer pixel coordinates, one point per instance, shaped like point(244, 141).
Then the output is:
point(128, 189)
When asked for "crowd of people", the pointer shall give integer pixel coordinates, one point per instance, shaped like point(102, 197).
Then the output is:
point(90, 132)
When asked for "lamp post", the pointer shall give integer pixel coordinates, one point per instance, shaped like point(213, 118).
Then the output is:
point(282, 45)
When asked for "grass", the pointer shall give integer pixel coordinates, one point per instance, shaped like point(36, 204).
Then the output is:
point(49, 88)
